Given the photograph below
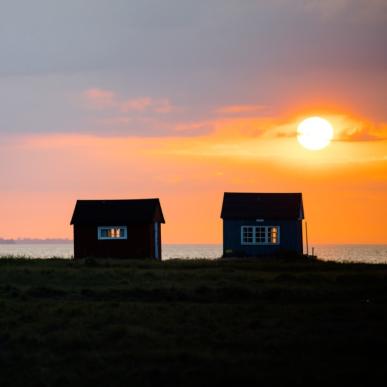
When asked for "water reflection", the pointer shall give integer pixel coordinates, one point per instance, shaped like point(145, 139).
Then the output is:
point(345, 253)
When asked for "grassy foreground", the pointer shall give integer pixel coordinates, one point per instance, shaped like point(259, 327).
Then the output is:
point(191, 323)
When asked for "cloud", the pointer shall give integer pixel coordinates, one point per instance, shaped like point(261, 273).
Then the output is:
point(136, 104)
point(241, 109)
point(193, 128)
point(146, 103)
point(149, 126)
point(359, 133)
point(346, 128)
point(102, 99)
point(112, 114)
point(226, 54)
point(99, 98)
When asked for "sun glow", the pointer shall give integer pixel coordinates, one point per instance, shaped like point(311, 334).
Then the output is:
point(314, 133)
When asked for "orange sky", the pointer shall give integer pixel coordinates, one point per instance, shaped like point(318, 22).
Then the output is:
point(344, 185)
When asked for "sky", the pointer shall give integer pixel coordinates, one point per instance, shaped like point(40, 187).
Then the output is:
point(185, 100)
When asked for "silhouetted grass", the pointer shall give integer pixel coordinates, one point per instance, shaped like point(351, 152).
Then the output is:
point(190, 323)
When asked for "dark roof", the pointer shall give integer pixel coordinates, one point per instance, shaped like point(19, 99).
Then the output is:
point(117, 212)
point(286, 206)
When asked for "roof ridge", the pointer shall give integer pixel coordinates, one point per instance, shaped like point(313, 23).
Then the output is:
point(115, 200)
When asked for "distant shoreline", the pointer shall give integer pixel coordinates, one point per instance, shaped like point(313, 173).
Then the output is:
point(31, 241)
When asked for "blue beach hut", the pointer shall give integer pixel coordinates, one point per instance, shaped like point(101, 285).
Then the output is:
point(262, 224)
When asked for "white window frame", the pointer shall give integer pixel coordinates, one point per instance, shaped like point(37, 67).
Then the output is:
point(102, 228)
point(255, 234)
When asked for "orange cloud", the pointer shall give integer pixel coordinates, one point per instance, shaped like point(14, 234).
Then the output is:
point(99, 98)
point(363, 132)
point(193, 128)
point(241, 109)
point(144, 103)
point(137, 104)
point(109, 100)
point(346, 127)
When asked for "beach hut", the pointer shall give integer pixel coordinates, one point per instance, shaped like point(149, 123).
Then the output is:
point(262, 224)
point(117, 228)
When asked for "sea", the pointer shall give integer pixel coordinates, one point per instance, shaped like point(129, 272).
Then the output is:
point(327, 252)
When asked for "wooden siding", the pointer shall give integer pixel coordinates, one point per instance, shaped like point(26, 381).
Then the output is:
point(290, 238)
point(140, 242)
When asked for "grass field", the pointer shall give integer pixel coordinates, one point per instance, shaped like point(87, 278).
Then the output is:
point(191, 323)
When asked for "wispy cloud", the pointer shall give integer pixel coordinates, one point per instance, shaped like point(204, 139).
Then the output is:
point(136, 104)
point(363, 133)
point(146, 103)
point(113, 114)
point(110, 113)
point(241, 109)
point(102, 99)
point(346, 129)
point(99, 98)
point(193, 128)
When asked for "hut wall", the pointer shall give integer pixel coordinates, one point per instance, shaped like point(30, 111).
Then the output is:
point(290, 238)
point(140, 242)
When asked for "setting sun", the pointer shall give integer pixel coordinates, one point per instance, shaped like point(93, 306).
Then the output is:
point(314, 133)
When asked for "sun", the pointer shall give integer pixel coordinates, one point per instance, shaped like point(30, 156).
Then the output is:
point(314, 133)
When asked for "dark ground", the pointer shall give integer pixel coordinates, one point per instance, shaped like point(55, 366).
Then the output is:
point(192, 323)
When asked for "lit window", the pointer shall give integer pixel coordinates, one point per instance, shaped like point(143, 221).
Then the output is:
point(260, 235)
point(112, 232)
point(273, 235)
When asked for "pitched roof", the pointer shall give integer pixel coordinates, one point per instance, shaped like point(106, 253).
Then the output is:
point(116, 212)
point(286, 206)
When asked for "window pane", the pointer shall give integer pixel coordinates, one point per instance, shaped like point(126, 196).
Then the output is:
point(112, 233)
point(247, 235)
point(273, 234)
point(260, 235)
